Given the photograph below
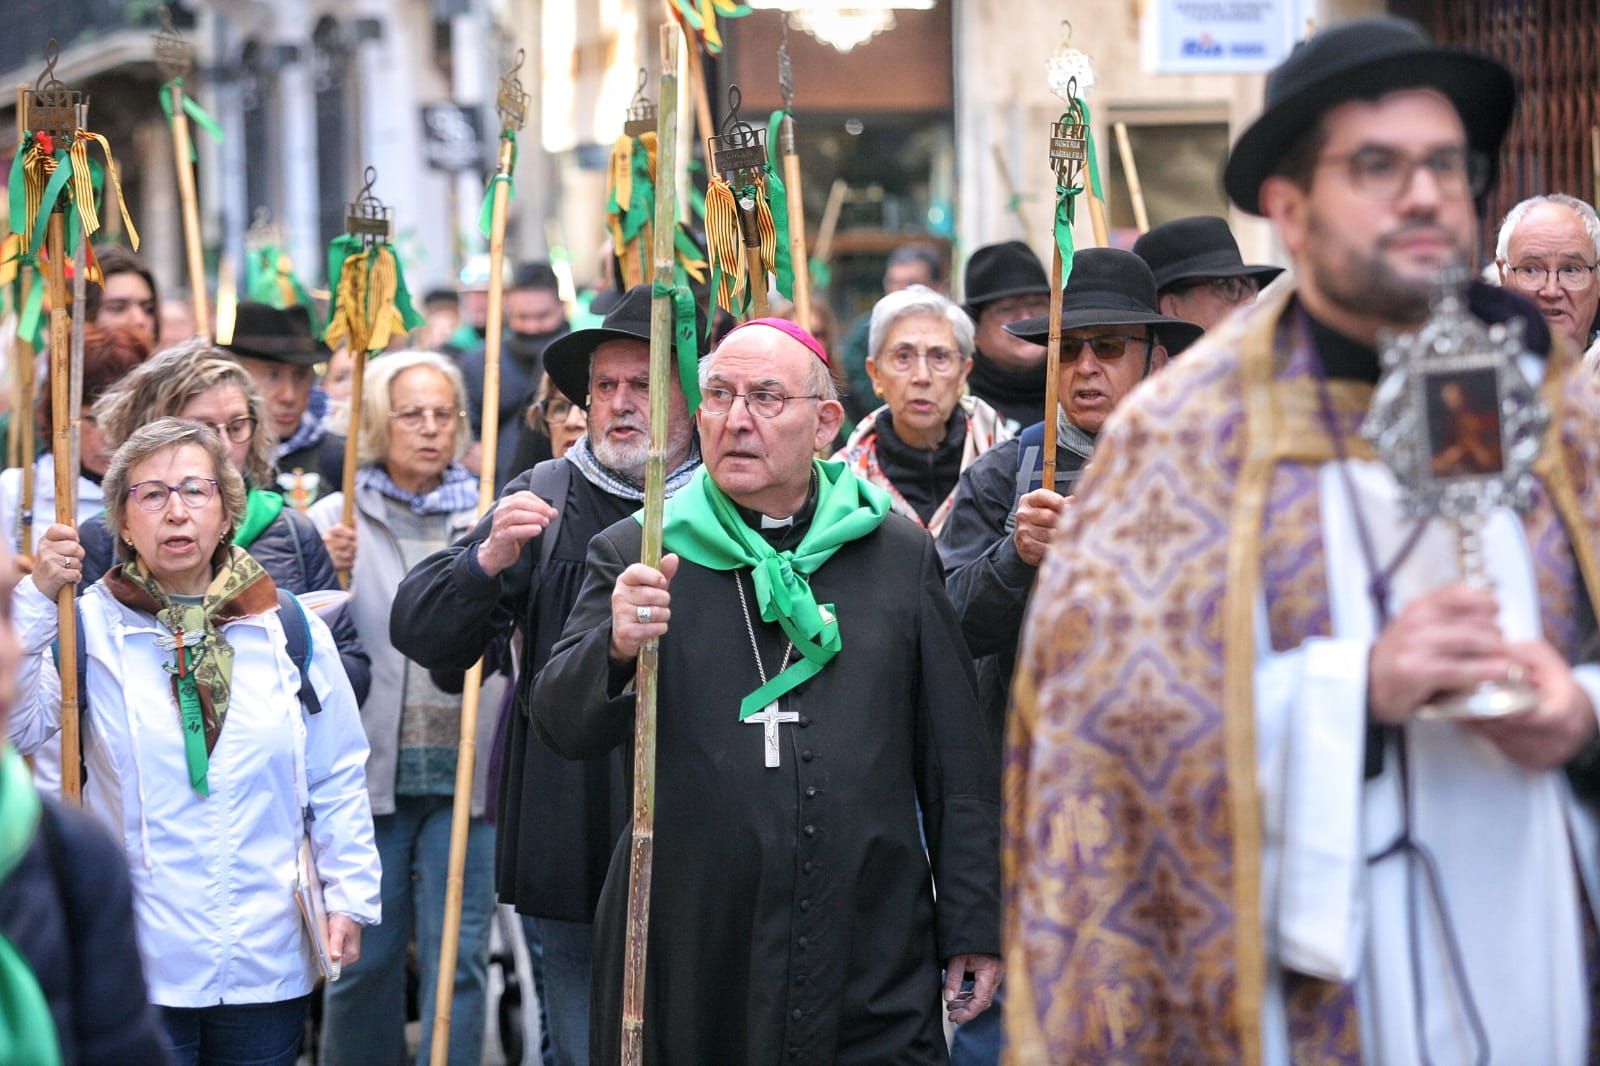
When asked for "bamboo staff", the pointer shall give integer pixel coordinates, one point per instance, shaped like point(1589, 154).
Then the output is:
point(1130, 170)
point(22, 422)
point(175, 59)
point(1069, 157)
point(66, 477)
point(512, 105)
point(794, 192)
point(642, 850)
point(830, 218)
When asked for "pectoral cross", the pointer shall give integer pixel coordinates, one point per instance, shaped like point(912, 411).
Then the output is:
point(769, 717)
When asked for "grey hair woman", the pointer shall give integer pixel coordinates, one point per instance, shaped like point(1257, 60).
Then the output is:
point(412, 499)
point(928, 429)
point(224, 778)
point(199, 381)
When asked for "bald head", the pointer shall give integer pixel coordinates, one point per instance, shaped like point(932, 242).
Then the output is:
point(768, 406)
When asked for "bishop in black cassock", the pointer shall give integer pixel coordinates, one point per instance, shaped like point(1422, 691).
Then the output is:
point(793, 911)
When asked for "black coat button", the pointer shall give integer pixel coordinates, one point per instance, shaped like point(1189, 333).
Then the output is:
point(811, 791)
point(805, 720)
point(805, 904)
point(810, 830)
point(796, 1014)
point(806, 756)
point(807, 867)
point(801, 941)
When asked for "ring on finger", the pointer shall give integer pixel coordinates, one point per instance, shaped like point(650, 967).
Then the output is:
point(642, 614)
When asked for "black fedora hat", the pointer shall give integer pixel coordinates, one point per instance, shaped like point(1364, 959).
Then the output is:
point(1363, 60)
point(1201, 246)
point(996, 271)
point(280, 335)
point(1110, 287)
point(567, 358)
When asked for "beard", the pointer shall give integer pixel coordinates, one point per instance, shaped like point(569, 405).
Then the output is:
point(629, 459)
point(1362, 281)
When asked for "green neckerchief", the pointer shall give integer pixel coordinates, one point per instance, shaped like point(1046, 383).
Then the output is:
point(202, 666)
point(702, 525)
point(27, 1030)
point(261, 509)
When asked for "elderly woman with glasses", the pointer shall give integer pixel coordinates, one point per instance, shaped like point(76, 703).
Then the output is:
point(202, 751)
point(413, 498)
point(198, 381)
point(928, 430)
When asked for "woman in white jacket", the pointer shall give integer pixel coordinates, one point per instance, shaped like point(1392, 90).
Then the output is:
point(199, 754)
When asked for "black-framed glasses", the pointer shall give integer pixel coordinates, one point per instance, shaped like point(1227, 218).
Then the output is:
point(1380, 173)
point(237, 430)
point(718, 401)
point(153, 495)
point(902, 358)
point(555, 408)
point(413, 417)
point(1574, 277)
point(1234, 290)
point(1106, 348)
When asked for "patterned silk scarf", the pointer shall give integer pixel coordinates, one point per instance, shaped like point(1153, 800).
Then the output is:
point(202, 665)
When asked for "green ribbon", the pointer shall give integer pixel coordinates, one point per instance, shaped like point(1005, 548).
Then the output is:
point(486, 210)
point(30, 317)
point(778, 197)
point(192, 108)
point(261, 509)
point(684, 343)
point(27, 1029)
point(192, 715)
point(641, 205)
point(263, 284)
point(703, 526)
point(1066, 196)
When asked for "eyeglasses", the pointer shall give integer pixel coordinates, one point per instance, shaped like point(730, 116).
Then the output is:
point(903, 358)
point(1106, 348)
point(718, 401)
point(1236, 290)
point(153, 495)
point(1574, 277)
point(412, 417)
point(555, 409)
point(237, 430)
point(1386, 173)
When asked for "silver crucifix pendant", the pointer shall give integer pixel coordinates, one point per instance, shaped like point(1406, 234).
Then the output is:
point(769, 719)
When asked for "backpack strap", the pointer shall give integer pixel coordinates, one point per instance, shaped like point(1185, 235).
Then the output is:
point(297, 636)
point(1030, 464)
point(549, 482)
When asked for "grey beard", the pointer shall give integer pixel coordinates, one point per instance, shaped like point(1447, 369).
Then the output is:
point(629, 459)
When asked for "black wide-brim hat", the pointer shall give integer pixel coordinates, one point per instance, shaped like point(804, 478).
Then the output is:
point(567, 358)
point(1364, 60)
point(997, 271)
point(1198, 247)
point(1110, 287)
point(279, 335)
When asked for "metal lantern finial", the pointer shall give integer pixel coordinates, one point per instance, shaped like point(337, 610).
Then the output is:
point(512, 101)
point(366, 216)
point(52, 107)
point(739, 146)
point(641, 110)
point(1068, 71)
point(174, 55)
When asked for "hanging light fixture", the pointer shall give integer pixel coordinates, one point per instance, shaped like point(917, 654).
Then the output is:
point(843, 24)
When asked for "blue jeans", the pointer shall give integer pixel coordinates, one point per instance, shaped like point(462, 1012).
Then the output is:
point(364, 1011)
point(568, 960)
point(241, 1034)
point(977, 1043)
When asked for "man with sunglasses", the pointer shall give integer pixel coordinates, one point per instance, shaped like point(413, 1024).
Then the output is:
point(1547, 250)
point(1200, 276)
point(813, 695)
point(1235, 832)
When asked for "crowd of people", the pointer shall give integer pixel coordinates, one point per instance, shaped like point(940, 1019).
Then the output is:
point(1177, 690)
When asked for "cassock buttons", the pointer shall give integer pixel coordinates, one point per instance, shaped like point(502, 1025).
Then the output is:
point(797, 1014)
point(807, 868)
point(799, 978)
point(805, 720)
point(810, 830)
point(811, 791)
point(805, 904)
point(805, 756)
point(801, 942)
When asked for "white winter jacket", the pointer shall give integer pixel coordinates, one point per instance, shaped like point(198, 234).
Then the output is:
point(213, 876)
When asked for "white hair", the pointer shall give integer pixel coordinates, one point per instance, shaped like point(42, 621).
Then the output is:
point(819, 379)
point(1586, 214)
point(918, 300)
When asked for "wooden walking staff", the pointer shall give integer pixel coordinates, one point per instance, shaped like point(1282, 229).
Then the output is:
point(512, 104)
point(1069, 153)
point(641, 852)
point(175, 58)
point(794, 191)
point(22, 422)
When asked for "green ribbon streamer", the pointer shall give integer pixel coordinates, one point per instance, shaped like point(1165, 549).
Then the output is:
point(192, 108)
point(27, 1029)
point(684, 343)
point(778, 197)
point(192, 715)
point(702, 525)
point(343, 247)
point(821, 273)
point(486, 211)
point(30, 317)
point(263, 284)
point(1066, 196)
point(637, 212)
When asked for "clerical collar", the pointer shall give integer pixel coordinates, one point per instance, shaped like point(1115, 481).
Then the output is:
point(1342, 356)
point(787, 531)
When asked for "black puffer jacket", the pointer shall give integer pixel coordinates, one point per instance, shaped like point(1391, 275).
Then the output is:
point(68, 909)
point(290, 551)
